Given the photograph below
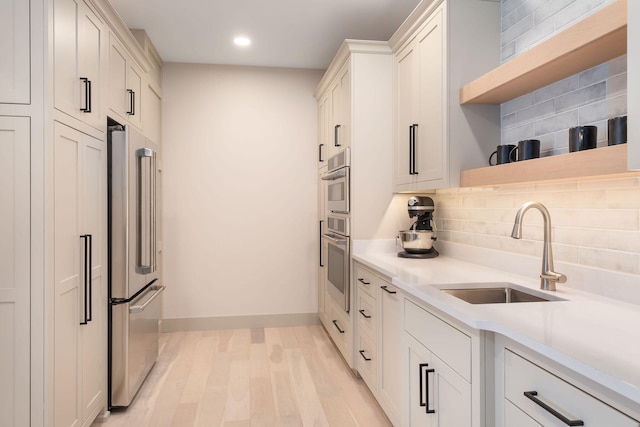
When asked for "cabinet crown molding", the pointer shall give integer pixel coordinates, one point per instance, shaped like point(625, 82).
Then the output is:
point(349, 47)
point(120, 29)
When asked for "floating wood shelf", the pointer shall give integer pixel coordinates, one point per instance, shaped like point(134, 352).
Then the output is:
point(598, 38)
point(597, 163)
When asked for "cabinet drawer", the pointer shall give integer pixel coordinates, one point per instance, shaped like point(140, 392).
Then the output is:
point(340, 327)
point(366, 313)
point(366, 360)
point(558, 395)
point(366, 280)
point(442, 339)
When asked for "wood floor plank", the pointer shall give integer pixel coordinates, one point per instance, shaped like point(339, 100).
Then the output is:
point(310, 408)
point(237, 407)
point(211, 408)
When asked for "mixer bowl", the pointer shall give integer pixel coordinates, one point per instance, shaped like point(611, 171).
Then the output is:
point(416, 241)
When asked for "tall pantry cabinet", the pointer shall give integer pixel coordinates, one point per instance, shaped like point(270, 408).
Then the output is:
point(354, 111)
point(53, 213)
point(17, 308)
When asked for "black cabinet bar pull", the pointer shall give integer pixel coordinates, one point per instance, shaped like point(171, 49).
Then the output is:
point(335, 323)
point(363, 356)
point(87, 95)
point(320, 159)
point(321, 263)
point(335, 135)
point(364, 282)
point(429, 411)
point(410, 149)
point(366, 316)
point(132, 102)
point(421, 386)
point(413, 150)
point(386, 289)
point(85, 238)
point(90, 279)
point(532, 395)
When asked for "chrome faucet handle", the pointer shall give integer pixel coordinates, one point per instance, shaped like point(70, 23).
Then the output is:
point(549, 279)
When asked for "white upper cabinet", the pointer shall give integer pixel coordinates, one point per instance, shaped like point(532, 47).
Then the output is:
point(434, 136)
point(419, 149)
point(78, 39)
point(125, 84)
point(15, 71)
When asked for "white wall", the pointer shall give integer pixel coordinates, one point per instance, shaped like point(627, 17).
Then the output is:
point(239, 148)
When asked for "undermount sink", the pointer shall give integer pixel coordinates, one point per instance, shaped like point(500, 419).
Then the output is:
point(497, 293)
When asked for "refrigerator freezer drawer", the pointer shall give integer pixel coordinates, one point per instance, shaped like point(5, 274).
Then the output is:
point(135, 332)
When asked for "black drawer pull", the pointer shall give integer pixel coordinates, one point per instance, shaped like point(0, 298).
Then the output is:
point(336, 130)
point(366, 316)
point(532, 395)
point(363, 356)
point(335, 323)
point(384, 287)
point(364, 282)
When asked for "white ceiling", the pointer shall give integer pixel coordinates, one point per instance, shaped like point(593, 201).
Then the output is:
point(284, 33)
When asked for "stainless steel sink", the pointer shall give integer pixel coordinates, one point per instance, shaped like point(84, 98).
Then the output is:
point(497, 293)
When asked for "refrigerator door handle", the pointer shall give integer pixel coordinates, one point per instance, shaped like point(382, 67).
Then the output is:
point(140, 308)
point(146, 212)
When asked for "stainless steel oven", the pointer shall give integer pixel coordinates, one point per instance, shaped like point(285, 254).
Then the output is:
point(338, 259)
point(338, 182)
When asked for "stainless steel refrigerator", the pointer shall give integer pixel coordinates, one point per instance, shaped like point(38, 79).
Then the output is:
point(134, 286)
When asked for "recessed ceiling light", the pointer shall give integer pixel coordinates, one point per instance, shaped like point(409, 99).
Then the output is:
point(242, 41)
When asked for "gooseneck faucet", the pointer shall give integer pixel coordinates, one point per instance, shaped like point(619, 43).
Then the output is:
point(548, 277)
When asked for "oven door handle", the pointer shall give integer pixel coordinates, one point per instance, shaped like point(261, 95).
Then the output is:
point(340, 173)
point(337, 240)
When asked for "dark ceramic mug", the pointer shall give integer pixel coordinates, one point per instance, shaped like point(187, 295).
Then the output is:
point(504, 154)
point(583, 138)
point(617, 130)
point(527, 149)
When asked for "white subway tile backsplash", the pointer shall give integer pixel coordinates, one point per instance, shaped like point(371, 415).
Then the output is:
point(624, 262)
point(623, 199)
point(609, 219)
point(623, 241)
point(516, 30)
point(592, 199)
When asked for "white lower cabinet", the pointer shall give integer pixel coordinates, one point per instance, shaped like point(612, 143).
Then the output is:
point(437, 395)
point(80, 297)
point(390, 339)
point(549, 400)
point(436, 358)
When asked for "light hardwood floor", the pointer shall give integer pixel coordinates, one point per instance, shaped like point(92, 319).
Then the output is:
point(250, 377)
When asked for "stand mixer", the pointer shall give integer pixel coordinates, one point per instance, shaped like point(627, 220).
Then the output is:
point(417, 242)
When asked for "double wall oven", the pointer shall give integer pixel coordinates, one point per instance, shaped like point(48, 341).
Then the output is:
point(337, 236)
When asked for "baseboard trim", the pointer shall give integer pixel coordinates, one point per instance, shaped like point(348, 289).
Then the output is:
point(239, 322)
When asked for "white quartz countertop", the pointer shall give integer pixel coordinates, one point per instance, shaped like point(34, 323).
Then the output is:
point(594, 336)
